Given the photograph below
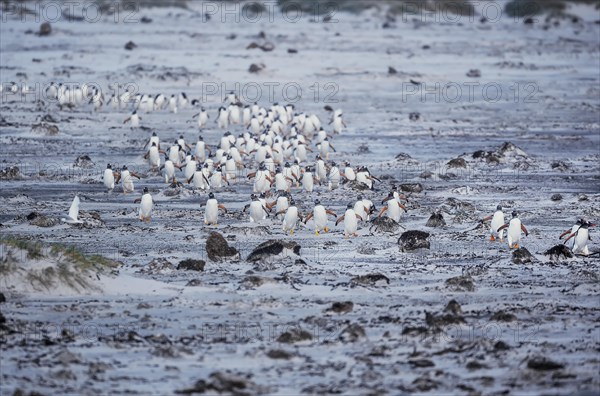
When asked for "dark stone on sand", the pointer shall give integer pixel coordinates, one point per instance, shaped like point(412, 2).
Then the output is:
point(474, 73)
point(45, 128)
point(460, 284)
point(218, 249)
point(503, 316)
point(481, 154)
point(370, 280)
point(413, 240)
point(294, 335)
point(582, 197)
point(352, 333)
point(457, 163)
point(83, 161)
point(528, 21)
point(45, 29)
point(272, 248)
point(558, 252)
point(191, 265)
point(341, 307)
point(145, 19)
point(279, 354)
point(475, 365)
point(543, 364)
point(421, 363)
point(384, 224)
point(226, 384)
point(194, 282)
point(559, 165)
point(501, 346)
point(356, 185)
point(453, 308)
point(2, 298)
point(411, 187)
point(414, 116)
point(254, 281)
point(521, 256)
point(556, 197)
point(10, 173)
point(403, 157)
point(254, 68)
point(436, 220)
point(391, 70)
point(292, 51)
point(130, 45)
point(40, 220)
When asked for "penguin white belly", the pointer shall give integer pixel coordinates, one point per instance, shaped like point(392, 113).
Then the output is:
point(200, 152)
point(290, 219)
point(282, 204)
point(581, 241)
point(334, 178)
point(190, 169)
point(146, 207)
point(257, 212)
point(359, 209)
point(349, 173)
point(497, 222)
point(361, 177)
point(281, 183)
point(211, 211)
point(514, 232)
point(350, 223)
point(174, 155)
point(301, 153)
point(320, 218)
point(109, 179)
point(154, 157)
point(307, 182)
point(127, 182)
point(393, 211)
point(169, 171)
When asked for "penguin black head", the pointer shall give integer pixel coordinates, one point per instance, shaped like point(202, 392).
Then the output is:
point(347, 163)
point(211, 196)
point(253, 197)
point(145, 190)
point(134, 112)
point(292, 202)
point(514, 214)
point(317, 202)
point(124, 167)
point(108, 166)
point(180, 136)
point(499, 207)
point(349, 206)
point(360, 198)
point(333, 164)
point(200, 138)
point(262, 195)
point(153, 133)
point(287, 165)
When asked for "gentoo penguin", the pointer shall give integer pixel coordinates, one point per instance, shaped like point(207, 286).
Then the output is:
point(182, 100)
point(320, 169)
point(146, 205)
point(350, 219)
point(109, 178)
point(168, 169)
point(153, 156)
point(173, 104)
point(334, 177)
point(200, 149)
point(324, 147)
point(159, 101)
point(222, 118)
point(258, 211)
point(126, 178)
point(234, 114)
point(497, 222)
point(134, 119)
point(202, 118)
point(581, 236)
point(291, 217)
point(348, 173)
point(392, 208)
point(200, 177)
point(262, 179)
point(319, 214)
point(514, 231)
point(281, 204)
point(364, 176)
point(360, 210)
point(231, 98)
point(308, 180)
point(338, 122)
point(572, 230)
point(211, 210)
point(369, 207)
point(73, 212)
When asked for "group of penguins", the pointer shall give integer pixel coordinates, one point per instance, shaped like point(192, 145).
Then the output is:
point(276, 142)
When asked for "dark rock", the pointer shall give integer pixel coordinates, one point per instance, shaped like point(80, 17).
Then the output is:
point(559, 165)
point(2, 298)
point(453, 308)
point(194, 282)
point(582, 197)
point(457, 163)
point(45, 128)
point(10, 173)
point(90, 220)
point(352, 333)
point(83, 161)
point(413, 240)
point(45, 29)
point(543, 364)
point(528, 21)
point(509, 149)
point(218, 249)
point(191, 265)
point(254, 281)
point(475, 365)
point(370, 280)
point(145, 19)
point(481, 154)
point(474, 73)
point(460, 284)
point(356, 185)
point(292, 51)
point(225, 383)
point(501, 346)
point(421, 363)
point(40, 220)
point(294, 335)
point(436, 220)
point(130, 45)
point(559, 252)
point(279, 354)
point(521, 256)
point(502, 316)
point(391, 70)
point(426, 175)
point(556, 197)
point(403, 157)
point(384, 224)
point(411, 187)
point(158, 266)
point(363, 149)
point(414, 116)
point(254, 68)
point(341, 307)
point(269, 249)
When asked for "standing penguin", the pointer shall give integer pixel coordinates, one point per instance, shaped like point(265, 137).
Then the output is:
point(146, 205)
point(202, 118)
point(153, 156)
point(291, 217)
point(127, 179)
point(514, 231)
point(334, 177)
point(109, 178)
point(350, 219)
point(258, 211)
point(320, 217)
point(134, 119)
point(349, 173)
point(497, 222)
point(581, 236)
point(392, 208)
point(572, 230)
point(211, 211)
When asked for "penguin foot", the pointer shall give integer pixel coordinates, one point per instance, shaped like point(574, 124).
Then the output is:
point(317, 232)
point(492, 239)
point(355, 234)
point(326, 229)
point(516, 245)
